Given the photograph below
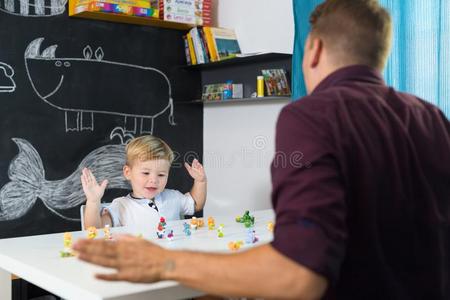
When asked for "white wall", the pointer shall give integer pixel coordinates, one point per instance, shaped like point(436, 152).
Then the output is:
point(260, 25)
point(238, 150)
point(239, 137)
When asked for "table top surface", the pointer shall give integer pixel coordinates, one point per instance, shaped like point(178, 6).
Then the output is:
point(37, 259)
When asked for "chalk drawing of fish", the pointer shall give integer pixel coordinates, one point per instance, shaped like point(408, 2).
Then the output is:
point(75, 85)
point(28, 184)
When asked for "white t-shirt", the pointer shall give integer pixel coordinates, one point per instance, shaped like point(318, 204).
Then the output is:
point(134, 212)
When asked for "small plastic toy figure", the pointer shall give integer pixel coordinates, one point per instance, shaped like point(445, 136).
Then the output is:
point(107, 232)
point(220, 231)
point(67, 251)
point(234, 246)
point(186, 229)
point(91, 232)
point(197, 223)
point(170, 235)
point(194, 223)
point(251, 236)
point(160, 234)
point(161, 228)
point(270, 226)
point(211, 223)
point(246, 219)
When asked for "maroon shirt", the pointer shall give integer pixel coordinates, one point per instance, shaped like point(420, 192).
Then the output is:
point(361, 189)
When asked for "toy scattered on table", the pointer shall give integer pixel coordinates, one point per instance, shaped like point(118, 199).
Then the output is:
point(220, 231)
point(161, 228)
point(107, 232)
point(67, 251)
point(170, 235)
point(186, 229)
point(251, 236)
point(91, 232)
point(197, 223)
point(234, 246)
point(246, 219)
point(270, 226)
point(211, 223)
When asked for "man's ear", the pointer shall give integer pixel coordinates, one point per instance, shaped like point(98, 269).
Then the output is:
point(316, 51)
point(126, 172)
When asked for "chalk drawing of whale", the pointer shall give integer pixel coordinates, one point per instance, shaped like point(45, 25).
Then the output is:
point(74, 85)
point(27, 180)
point(37, 8)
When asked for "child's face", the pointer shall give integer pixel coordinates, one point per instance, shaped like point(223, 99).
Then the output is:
point(148, 178)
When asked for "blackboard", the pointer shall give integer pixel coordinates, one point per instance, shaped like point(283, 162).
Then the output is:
point(72, 92)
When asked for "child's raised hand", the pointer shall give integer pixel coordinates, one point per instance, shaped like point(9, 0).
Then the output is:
point(196, 170)
point(92, 190)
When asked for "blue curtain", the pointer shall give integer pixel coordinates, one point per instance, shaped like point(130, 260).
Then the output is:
point(420, 59)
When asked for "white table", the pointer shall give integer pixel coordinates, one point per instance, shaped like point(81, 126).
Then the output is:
point(36, 259)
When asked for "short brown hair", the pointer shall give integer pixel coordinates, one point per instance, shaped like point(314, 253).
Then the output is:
point(147, 147)
point(354, 31)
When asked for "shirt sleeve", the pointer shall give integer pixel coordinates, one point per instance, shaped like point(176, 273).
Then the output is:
point(187, 203)
point(114, 212)
point(308, 194)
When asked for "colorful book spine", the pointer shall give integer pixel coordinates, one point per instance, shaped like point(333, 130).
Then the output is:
point(210, 44)
point(191, 49)
point(197, 45)
point(187, 51)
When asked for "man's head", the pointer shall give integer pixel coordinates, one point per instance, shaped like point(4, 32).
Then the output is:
point(343, 33)
point(147, 166)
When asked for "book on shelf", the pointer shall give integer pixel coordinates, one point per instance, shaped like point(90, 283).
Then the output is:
point(225, 43)
point(187, 51)
point(198, 48)
point(191, 49)
point(196, 12)
point(212, 44)
point(276, 82)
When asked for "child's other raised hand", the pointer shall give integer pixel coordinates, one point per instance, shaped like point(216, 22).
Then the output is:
point(92, 190)
point(196, 170)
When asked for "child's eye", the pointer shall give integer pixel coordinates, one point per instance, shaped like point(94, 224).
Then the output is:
point(145, 173)
point(162, 175)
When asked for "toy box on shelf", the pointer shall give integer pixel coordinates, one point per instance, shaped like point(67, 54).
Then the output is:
point(128, 7)
point(197, 12)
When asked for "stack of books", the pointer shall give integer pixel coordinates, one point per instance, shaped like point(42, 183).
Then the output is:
point(210, 44)
point(141, 8)
point(197, 12)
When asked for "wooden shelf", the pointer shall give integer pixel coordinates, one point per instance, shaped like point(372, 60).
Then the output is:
point(240, 61)
point(120, 18)
point(242, 100)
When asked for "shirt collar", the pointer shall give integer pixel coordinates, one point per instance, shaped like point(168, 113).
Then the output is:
point(140, 200)
point(353, 73)
point(144, 200)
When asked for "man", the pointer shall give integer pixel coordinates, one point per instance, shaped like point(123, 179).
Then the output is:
point(364, 214)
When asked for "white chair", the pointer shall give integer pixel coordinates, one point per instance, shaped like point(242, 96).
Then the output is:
point(82, 207)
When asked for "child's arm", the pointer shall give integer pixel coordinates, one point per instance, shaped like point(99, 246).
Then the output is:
point(94, 193)
point(198, 191)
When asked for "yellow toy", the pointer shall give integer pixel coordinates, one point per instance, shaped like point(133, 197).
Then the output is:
point(107, 232)
point(67, 251)
point(91, 232)
point(270, 226)
point(211, 223)
point(234, 246)
point(197, 223)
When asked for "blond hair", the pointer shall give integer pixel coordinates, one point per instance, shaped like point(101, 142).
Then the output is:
point(147, 147)
point(355, 31)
